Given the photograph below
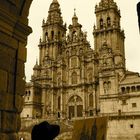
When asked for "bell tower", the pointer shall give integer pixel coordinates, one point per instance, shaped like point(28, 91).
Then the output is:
point(110, 53)
point(53, 35)
point(107, 32)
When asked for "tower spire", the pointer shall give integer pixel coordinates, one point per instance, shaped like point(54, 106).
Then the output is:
point(54, 15)
point(105, 4)
point(74, 11)
point(53, 33)
point(74, 18)
point(108, 28)
point(55, 1)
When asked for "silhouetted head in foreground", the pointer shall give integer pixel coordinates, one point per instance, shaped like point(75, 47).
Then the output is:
point(45, 131)
point(138, 12)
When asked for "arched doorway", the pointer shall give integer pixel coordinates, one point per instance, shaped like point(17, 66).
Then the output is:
point(75, 107)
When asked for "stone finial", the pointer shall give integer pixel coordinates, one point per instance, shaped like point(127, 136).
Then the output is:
point(55, 1)
point(74, 11)
point(36, 61)
point(75, 18)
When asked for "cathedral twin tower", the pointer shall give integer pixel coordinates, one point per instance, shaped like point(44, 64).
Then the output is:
point(72, 80)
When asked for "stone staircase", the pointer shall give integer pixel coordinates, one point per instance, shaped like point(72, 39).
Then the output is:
point(65, 136)
point(66, 128)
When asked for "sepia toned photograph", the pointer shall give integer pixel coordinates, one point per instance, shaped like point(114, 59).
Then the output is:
point(69, 70)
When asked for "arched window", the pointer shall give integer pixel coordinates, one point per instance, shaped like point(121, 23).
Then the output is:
point(29, 93)
point(58, 115)
point(127, 89)
point(75, 104)
point(109, 85)
point(74, 78)
point(59, 102)
point(46, 36)
point(52, 35)
point(91, 100)
point(59, 35)
point(138, 88)
point(101, 23)
point(108, 21)
point(123, 90)
point(133, 89)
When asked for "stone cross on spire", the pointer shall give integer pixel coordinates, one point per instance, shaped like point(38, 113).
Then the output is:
point(74, 11)
point(54, 14)
point(75, 18)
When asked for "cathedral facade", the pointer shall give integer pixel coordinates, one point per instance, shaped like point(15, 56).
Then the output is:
point(72, 80)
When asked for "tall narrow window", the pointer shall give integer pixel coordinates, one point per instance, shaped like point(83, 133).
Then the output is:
point(127, 89)
point(29, 93)
point(46, 36)
point(133, 89)
point(74, 78)
point(91, 100)
point(108, 21)
point(58, 35)
point(123, 90)
point(138, 88)
point(52, 35)
point(79, 110)
point(101, 23)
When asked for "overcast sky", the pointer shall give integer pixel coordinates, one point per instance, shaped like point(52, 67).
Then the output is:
point(85, 12)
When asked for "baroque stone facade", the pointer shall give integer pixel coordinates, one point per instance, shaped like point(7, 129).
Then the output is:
point(73, 81)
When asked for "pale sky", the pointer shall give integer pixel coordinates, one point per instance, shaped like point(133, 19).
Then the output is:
point(85, 12)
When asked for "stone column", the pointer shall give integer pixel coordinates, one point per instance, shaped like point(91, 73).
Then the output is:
point(61, 108)
point(52, 103)
point(83, 71)
point(13, 38)
point(84, 104)
point(43, 102)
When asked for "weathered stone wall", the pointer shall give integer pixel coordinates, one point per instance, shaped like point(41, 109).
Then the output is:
point(124, 129)
point(13, 37)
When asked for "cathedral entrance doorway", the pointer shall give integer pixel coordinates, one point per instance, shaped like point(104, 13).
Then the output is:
point(75, 107)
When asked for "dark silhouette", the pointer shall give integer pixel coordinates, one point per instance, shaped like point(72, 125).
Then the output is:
point(45, 131)
point(138, 12)
point(84, 133)
point(94, 131)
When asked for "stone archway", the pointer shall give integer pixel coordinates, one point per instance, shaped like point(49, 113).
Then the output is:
point(75, 107)
point(14, 30)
